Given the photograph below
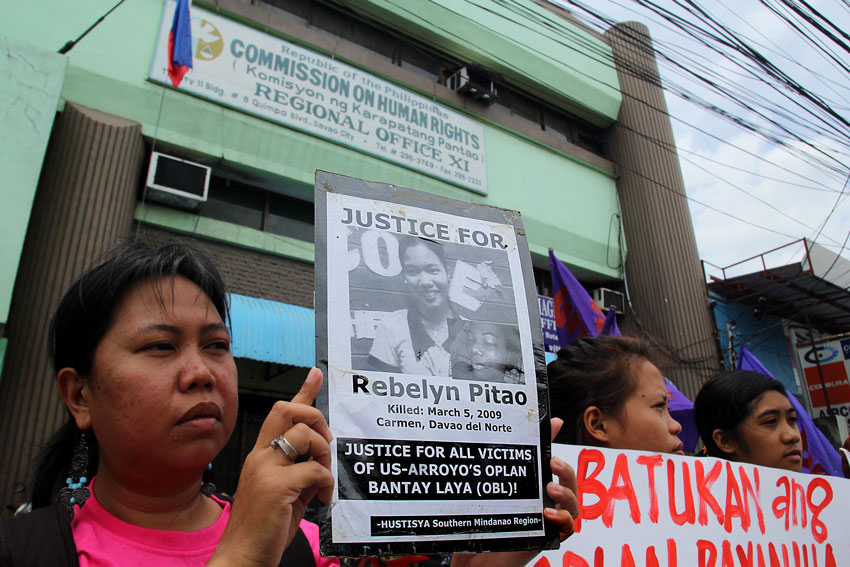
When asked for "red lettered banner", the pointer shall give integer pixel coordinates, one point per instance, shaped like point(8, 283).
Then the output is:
point(648, 510)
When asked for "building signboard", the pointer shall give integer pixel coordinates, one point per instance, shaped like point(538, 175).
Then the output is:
point(254, 72)
point(826, 367)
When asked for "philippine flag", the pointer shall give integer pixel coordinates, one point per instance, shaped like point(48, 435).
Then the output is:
point(180, 43)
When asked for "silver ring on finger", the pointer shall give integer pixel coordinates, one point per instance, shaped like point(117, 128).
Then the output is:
point(281, 443)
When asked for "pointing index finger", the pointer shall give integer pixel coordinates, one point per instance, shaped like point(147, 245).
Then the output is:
point(310, 389)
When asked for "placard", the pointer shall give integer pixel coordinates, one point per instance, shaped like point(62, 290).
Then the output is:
point(648, 509)
point(258, 73)
point(427, 321)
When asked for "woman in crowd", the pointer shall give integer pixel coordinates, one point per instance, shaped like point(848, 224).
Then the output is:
point(141, 350)
point(610, 394)
point(416, 340)
point(746, 416)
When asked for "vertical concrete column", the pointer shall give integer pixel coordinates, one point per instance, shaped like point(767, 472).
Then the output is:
point(663, 271)
point(83, 204)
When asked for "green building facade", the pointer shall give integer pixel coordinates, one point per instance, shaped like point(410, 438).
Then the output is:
point(517, 105)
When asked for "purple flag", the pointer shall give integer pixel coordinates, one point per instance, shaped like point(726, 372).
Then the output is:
point(819, 457)
point(682, 410)
point(610, 327)
point(576, 314)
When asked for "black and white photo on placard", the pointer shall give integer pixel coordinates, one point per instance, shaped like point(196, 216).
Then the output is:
point(421, 306)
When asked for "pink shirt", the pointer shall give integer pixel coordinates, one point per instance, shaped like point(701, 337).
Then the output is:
point(103, 540)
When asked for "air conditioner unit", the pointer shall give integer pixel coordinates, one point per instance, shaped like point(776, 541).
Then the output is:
point(605, 298)
point(177, 182)
point(473, 85)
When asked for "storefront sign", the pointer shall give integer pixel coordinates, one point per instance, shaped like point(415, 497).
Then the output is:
point(254, 72)
point(827, 364)
point(427, 317)
point(647, 509)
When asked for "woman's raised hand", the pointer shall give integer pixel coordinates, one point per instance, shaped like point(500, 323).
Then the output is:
point(274, 489)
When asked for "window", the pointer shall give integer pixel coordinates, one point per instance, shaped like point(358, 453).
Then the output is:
point(420, 62)
point(349, 26)
point(244, 204)
point(232, 202)
point(296, 10)
point(261, 204)
point(290, 217)
point(520, 105)
point(556, 124)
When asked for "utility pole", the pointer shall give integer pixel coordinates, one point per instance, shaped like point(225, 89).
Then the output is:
point(817, 362)
point(733, 356)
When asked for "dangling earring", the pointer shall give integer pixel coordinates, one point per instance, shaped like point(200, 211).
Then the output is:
point(207, 488)
point(76, 492)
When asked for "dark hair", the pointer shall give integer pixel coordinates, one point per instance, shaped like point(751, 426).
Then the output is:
point(597, 372)
point(84, 315)
point(726, 400)
point(405, 243)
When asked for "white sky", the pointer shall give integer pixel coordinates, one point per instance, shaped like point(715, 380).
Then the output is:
point(739, 182)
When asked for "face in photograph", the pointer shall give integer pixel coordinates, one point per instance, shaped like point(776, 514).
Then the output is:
point(490, 352)
point(426, 276)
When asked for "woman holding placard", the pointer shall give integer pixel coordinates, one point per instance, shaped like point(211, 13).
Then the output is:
point(141, 350)
point(746, 416)
point(610, 394)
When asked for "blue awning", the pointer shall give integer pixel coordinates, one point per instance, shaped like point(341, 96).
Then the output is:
point(272, 331)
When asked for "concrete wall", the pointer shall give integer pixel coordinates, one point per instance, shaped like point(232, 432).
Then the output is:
point(30, 81)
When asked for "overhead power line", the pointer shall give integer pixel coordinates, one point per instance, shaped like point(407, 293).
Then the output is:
point(801, 111)
point(656, 182)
